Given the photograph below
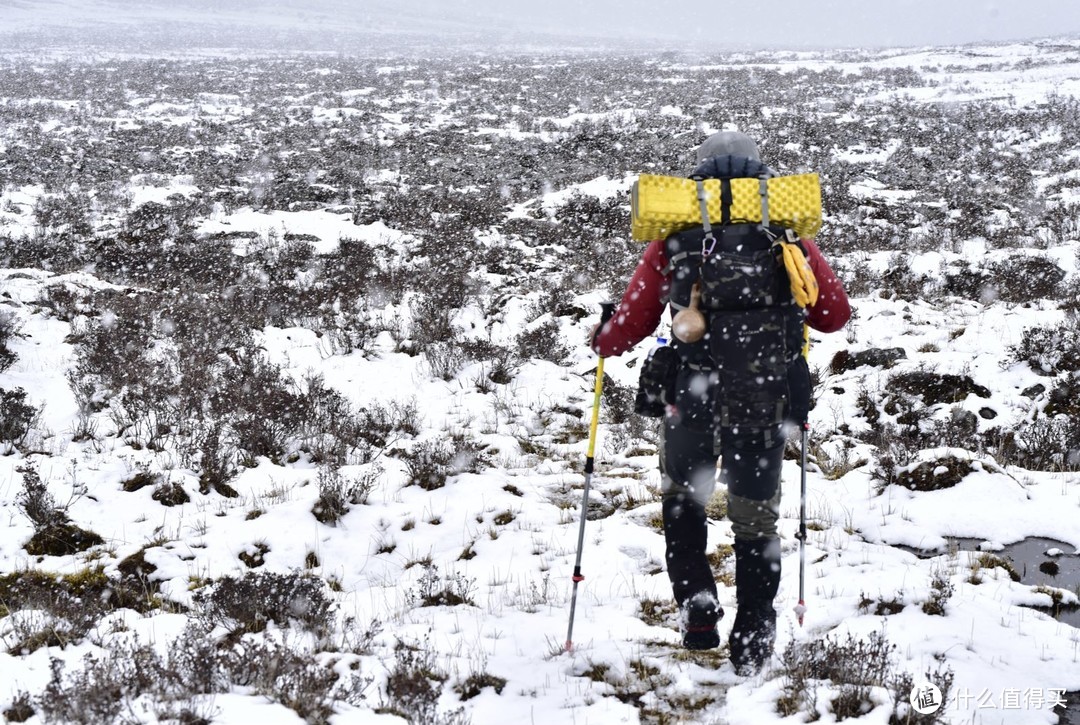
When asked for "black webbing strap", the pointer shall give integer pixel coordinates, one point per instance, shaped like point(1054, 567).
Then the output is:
point(709, 242)
point(725, 201)
point(676, 258)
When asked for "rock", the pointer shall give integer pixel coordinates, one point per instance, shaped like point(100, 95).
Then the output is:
point(874, 357)
point(934, 388)
point(1034, 391)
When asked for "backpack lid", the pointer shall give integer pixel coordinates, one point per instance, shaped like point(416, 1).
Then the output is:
point(728, 143)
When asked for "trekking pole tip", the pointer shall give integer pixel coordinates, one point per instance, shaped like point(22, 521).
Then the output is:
point(800, 610)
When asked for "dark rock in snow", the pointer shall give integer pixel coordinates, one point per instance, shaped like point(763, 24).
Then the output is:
point(935, 475)
point(62, 539)
point(934, 388)
point(1034, 391)
point(874, 357)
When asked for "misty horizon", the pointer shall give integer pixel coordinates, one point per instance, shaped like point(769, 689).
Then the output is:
point(478, 25)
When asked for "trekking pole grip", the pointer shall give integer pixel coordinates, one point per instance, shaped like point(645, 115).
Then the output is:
point(607, 311)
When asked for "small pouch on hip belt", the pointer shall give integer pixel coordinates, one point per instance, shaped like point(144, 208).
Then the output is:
point(656, 382)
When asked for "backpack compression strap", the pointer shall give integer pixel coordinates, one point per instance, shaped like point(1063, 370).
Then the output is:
point(763, 190)
point(709, 242)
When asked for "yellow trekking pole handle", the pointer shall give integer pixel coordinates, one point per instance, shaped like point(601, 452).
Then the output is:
point(608, 310)
point(598, 390)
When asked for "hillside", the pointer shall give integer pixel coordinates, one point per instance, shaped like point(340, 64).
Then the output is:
point(295, 391)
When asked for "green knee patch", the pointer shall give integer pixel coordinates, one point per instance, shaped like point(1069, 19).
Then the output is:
point(752, 519)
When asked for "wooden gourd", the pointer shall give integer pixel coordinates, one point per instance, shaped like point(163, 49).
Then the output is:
point(688, 325)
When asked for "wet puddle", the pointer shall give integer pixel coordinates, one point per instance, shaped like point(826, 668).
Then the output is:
point(1030, 560)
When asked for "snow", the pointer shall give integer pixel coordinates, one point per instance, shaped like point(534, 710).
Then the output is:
point(988, 635)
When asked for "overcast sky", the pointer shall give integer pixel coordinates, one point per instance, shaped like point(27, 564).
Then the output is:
point(659, 24)
point(828, 23)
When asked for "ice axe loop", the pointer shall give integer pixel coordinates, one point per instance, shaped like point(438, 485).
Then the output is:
point(607, 311)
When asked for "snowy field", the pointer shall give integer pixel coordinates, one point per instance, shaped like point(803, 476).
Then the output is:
point(300, 339)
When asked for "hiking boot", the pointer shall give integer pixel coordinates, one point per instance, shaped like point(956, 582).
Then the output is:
point(757, 578)
point(751, 642)
point(700, 615)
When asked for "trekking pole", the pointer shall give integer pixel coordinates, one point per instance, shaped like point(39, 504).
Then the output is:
point(607, 310)
point(800, 608)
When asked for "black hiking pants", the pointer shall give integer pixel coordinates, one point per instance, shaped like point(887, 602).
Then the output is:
point(750, 463)
point(750, 460)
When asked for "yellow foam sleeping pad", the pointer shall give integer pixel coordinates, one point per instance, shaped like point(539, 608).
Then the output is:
point(664, 205)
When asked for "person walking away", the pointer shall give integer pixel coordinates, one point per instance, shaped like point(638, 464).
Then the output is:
point(711, 413)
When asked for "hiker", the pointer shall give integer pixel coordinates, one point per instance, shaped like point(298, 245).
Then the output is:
point(710, 414)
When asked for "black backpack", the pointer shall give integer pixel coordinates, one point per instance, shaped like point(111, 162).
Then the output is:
point(753, 327)
point(747, 369)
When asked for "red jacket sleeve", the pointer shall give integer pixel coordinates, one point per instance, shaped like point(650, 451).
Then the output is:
point(832, 310)
point(645, 299)
point(642, 305)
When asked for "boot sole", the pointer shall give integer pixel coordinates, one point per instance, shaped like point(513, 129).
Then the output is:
point(701, 640)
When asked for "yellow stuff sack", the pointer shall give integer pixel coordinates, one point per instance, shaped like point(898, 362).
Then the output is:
point(663, 205)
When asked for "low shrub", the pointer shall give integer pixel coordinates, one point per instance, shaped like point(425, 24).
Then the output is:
point(434, 589)
point(54, 533)
point(851, 669)
point(21, 708)
point(935, 475)
point(378, 423)
point(941, 589)
point(542, 341)
point(9, 329)
point(248, 603)
point(140, 480)
point(64, 608)
point(17, 417)
point(475, 683)
point(1024, 278)
point(1050, 350)
point(881, 606)
point(132, 680)
point(62, 540)
point(217, 461)
point(338, 492)
point(414, 686)
point(429, 464)
point(845, 360)
point(170, 493)
point(1046, 444)
point(935, 388)
point(992, 561)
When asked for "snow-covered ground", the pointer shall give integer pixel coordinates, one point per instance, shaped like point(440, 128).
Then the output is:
point(503, 535)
